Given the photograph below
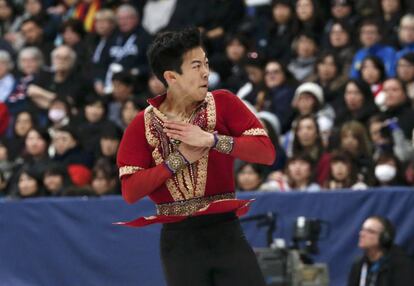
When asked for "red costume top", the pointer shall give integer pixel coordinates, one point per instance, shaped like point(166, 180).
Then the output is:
point(205, 186)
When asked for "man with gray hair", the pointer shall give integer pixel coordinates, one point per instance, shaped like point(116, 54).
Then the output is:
point(129, 47)
point(62, 81)
point(7, 80)
point(405, 36)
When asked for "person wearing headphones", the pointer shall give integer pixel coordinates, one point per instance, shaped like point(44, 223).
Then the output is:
point(383, 263)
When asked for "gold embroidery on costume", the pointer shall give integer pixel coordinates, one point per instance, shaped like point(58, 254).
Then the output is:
point(176, 161)
point(189, 182)
point(224, 144)
point(211, 113)
point(202, 164)
point(152, 141)
point(255, 132)
point(189, 207)
point(152, 133)
point(128, 170)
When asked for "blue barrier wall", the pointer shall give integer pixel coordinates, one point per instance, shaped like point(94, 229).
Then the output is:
point(71, 241)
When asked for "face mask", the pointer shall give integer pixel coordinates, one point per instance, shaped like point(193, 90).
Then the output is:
point(56, 114)
point(385, 173)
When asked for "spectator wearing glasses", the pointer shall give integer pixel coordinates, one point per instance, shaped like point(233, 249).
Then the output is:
point(383, 263)
point(280, 90)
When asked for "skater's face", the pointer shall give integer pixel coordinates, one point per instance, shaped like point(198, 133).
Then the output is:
point(192, 82)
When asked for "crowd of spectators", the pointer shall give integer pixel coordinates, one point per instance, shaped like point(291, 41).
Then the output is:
point(331, 81)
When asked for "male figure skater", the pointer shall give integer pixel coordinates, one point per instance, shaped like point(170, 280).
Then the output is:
point(180, 153)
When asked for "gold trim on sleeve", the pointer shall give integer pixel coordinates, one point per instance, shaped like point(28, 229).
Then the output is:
point(255, 132)
point(128, 170)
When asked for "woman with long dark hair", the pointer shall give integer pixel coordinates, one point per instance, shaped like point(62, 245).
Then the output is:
point(357, 103)
point(307, 140)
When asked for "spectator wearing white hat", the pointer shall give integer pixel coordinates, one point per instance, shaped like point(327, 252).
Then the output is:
point(309, 99)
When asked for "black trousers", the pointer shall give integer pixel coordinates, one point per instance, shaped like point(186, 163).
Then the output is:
point(208, 250)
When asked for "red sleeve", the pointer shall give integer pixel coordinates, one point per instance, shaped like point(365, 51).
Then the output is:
point(250, 140)
point(139, 177)
point(4, 118)
point(322, 168)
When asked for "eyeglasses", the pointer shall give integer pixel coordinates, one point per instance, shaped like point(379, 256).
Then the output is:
point(370, 230)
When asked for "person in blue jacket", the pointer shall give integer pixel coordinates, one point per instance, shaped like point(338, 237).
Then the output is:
point(370, 38)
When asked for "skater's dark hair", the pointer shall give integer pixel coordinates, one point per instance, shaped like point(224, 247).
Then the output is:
point(168, 48)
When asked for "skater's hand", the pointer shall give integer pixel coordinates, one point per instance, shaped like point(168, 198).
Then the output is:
point(191, 153)
point(189, 134)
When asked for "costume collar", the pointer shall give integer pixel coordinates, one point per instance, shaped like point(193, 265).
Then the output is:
point(157, 100)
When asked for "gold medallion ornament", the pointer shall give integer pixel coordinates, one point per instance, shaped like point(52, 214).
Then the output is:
point(176, 161)
point(224, 144)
